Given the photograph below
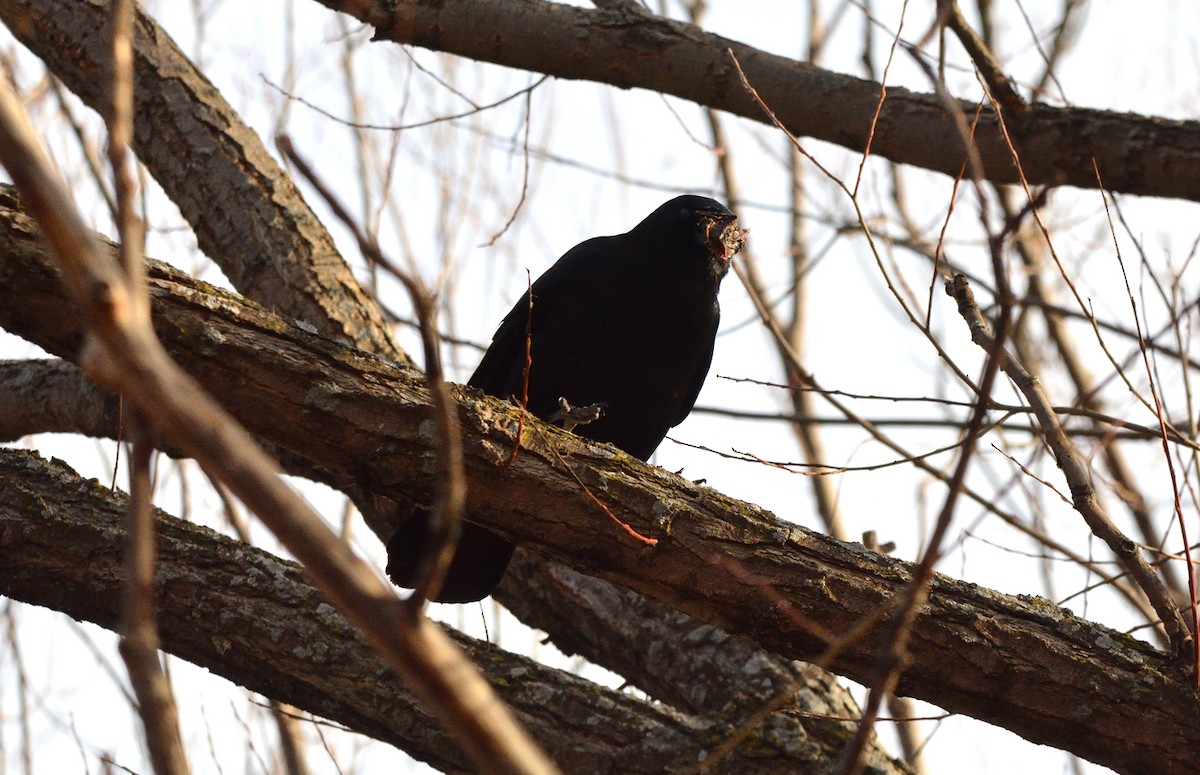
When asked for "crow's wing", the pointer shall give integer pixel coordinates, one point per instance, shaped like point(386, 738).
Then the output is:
point(501, 371)
point(693, 392)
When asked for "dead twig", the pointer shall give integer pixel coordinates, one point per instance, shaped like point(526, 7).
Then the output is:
point(446, 513)
point(1069, 460)
point(139, 641)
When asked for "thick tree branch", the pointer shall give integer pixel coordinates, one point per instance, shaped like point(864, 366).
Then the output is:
point(52, 396)
point(662, 651)
point(1137, 154)
point(246, 213)
point(257, 621)
point(1022, 664)
point(656, 648)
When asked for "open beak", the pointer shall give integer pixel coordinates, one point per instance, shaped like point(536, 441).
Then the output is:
point(723, 236)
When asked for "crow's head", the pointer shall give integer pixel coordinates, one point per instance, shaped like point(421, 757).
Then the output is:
point(695, 227)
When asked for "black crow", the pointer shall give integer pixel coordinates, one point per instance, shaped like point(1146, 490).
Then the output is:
point(625, 323)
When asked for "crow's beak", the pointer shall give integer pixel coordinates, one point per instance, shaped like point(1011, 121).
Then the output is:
point(723, 236)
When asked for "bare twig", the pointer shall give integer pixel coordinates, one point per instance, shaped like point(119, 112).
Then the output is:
point(291, 742)
point(139, 642)
point(1160, 413)
point(446, 514)
point(1000, 85)
point(475, 109)
point(13, 641)
point(807, 436)
point(1083, 496)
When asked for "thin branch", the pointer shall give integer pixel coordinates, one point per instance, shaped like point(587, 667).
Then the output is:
point(1083, 496)
point(999, 84)
point(1193, 608)
point(475, 109)
point(139, 642)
